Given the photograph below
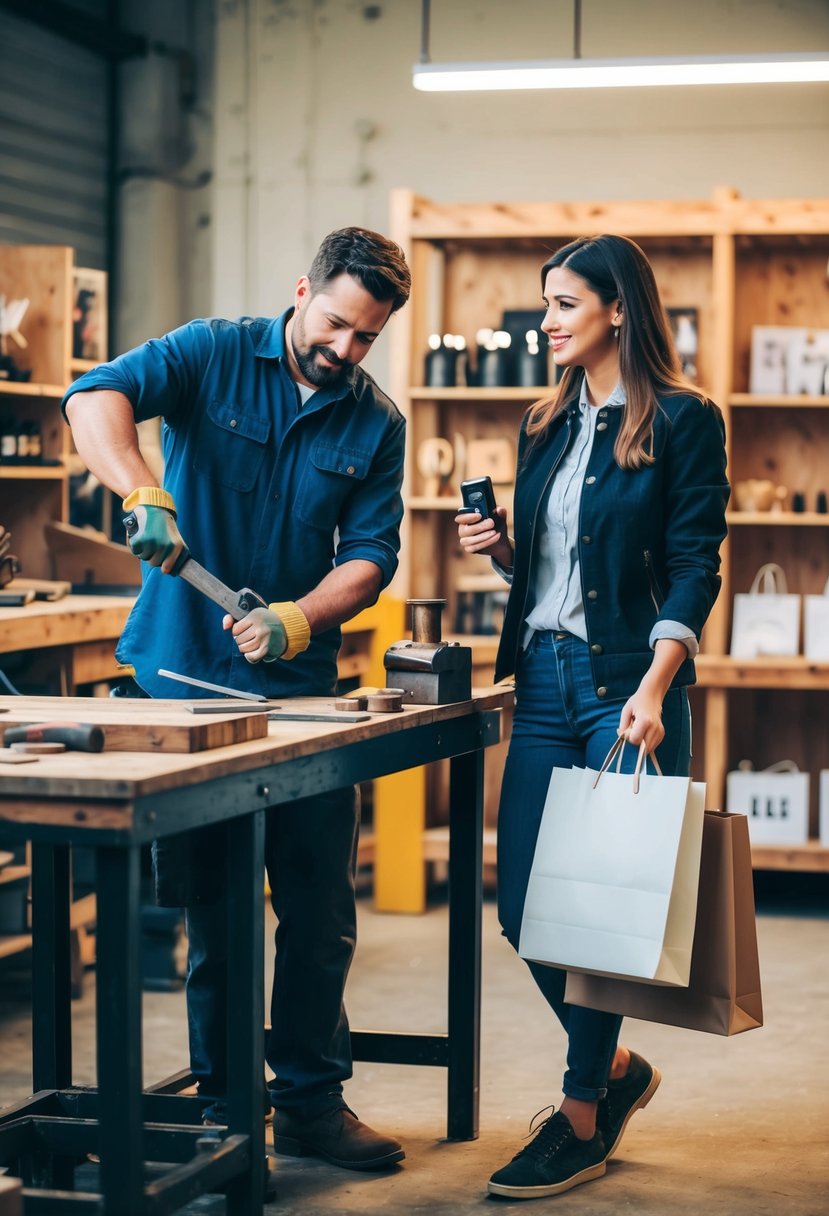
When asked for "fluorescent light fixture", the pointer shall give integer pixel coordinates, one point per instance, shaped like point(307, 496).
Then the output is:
point(795, 68)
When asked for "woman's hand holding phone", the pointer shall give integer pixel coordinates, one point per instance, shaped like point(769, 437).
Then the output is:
point(487, 536)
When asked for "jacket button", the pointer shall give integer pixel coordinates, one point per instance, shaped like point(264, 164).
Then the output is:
point(601, 692)
point(601, 426)
point(597, 648)
point(587, 540)
point(350, 469)
point(592, 595)
point(588, 481)
point(233, 422)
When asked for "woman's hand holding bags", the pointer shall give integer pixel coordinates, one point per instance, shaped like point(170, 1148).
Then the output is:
point(615, 877)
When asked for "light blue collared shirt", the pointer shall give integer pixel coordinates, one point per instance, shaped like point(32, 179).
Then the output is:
point(556, 593)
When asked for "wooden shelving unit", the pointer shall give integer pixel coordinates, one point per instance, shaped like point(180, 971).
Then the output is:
point(31, 494)
point(739, 263)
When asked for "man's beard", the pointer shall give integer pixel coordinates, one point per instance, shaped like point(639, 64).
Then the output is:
point(306, 359)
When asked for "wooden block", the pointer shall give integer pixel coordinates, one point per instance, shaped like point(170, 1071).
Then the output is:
point(145, 726)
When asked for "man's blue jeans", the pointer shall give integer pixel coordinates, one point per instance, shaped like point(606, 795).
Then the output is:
point(310, 854)
point(560, 722)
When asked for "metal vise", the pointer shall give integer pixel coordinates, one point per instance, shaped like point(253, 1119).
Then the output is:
point(429, 671)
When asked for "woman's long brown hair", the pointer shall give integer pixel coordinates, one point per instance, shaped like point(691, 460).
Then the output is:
point(615, 268)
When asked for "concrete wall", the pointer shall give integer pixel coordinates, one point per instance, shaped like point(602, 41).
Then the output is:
point(317, 119)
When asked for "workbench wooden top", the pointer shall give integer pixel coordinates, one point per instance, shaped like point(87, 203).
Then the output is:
point(120, 777)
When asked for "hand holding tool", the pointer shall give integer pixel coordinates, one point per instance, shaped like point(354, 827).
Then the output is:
point(261, 635)
point(151, 528)
point(77, 736)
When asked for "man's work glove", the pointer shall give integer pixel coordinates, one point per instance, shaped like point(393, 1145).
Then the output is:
point(151, 527)
point(279, 631)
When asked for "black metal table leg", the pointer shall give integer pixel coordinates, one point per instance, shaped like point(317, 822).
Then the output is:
point(51, 968)
point(246, 1001)
point(466, 817)
point(120, 1122)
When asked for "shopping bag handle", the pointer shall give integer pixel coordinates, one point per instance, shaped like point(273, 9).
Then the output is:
point(773, 578)
point(617, 750)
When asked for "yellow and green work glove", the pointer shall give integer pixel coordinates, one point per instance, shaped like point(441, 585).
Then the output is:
point(279, 631)
point(151, 527)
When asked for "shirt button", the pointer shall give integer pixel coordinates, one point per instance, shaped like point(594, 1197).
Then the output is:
point(588, 481)
point(601, 692)
point(601, 426)
point(233, 422)
point(276, 496)
point(587, 540)
point(592, 595)
point(596, 648)
point(350, 469)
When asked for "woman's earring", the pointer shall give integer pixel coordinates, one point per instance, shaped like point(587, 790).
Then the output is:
point(616, 329)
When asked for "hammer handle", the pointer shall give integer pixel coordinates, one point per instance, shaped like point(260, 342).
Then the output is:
point(77, 736)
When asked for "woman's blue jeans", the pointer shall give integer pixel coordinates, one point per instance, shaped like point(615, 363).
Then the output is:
point(560, 722)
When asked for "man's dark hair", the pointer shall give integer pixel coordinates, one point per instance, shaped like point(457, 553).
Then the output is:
point(372, 259)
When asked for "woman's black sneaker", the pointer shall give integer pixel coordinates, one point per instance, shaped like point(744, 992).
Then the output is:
point(630, 1093)
point(554, 1161)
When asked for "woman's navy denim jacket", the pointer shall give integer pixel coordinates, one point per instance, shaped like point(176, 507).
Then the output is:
point(649, 538)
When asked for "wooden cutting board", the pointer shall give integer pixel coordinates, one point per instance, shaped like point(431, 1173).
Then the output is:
point(139, 725)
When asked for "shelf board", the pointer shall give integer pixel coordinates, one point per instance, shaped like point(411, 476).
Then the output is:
point(795, 519)
point(723, 671)
point(14, 943)
point(32, 472)
point(78, 366)
point(783, 401)
point(421, 503)
point(13, 874)
point(525, 395)
point(50, 392)
point(809, 856)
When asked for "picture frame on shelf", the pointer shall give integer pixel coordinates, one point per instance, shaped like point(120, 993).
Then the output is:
point(89, 314)
point(769, 359)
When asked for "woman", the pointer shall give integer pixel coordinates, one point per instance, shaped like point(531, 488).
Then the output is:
point(619, 512)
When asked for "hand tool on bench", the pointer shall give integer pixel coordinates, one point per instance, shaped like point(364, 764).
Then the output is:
point(240, 694)
point(237, 603)
point(76, 736)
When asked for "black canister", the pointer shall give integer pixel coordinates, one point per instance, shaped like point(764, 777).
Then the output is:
point(531, 362)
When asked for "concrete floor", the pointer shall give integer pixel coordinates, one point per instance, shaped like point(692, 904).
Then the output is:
point(739, 1126)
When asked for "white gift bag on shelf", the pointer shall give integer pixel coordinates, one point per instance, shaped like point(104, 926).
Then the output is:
point(766, 619)
point(615, 876)
point(824, 807)
point(816, 625)
point(775, 801)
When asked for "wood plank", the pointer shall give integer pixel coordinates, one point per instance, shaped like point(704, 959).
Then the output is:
point(14, 943)
point(810, 856)
point(140, 726)
point(721, 671)
point(76, 618)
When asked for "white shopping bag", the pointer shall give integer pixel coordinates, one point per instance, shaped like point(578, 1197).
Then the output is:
point(615, 876)
point(816, 625)
point(767, 619)
point(775, 801)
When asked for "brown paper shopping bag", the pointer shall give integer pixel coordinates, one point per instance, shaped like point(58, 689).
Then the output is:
point(723, 996)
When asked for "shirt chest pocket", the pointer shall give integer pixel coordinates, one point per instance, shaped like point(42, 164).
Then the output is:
point(331, 475)
point(230, 446)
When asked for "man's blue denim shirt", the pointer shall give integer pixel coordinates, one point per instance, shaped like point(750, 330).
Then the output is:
point(268, 495)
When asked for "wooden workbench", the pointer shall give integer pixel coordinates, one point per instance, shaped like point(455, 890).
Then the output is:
point(118, 801)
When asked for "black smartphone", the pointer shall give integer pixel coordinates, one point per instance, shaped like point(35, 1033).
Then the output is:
point(478, 495)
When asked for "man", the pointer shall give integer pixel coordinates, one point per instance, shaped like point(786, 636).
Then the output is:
point(283, 466)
